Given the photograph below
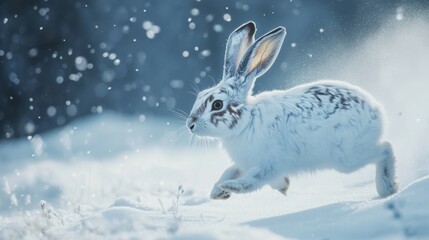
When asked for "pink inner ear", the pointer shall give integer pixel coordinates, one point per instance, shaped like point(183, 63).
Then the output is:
point(264, 53)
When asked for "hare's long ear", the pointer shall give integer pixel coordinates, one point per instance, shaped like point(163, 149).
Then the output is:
point(260, 56)
point(238, 42)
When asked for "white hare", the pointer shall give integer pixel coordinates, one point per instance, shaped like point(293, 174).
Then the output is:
point(275, 134)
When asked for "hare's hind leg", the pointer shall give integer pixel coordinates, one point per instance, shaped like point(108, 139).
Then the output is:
point(385, 171)
point(281, 185)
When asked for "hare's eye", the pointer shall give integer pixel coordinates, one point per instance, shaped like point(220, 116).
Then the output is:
point(217, 105)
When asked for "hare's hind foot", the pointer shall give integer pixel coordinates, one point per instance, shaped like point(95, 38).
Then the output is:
point(385, 178)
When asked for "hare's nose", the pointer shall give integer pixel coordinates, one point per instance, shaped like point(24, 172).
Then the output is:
point(190, 122)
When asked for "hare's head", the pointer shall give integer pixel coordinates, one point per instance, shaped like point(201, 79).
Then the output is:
point(223, 111)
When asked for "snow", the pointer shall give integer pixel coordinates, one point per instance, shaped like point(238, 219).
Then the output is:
point(115, 177)
point(397, 217)
point(110, 176)
point(81, 63)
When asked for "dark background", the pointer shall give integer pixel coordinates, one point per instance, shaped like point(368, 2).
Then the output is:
point(61, 60)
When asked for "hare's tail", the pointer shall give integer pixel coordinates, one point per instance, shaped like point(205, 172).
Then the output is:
point(385, 177)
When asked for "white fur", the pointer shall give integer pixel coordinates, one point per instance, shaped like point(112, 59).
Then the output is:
point(304, 144)
point(276, 134)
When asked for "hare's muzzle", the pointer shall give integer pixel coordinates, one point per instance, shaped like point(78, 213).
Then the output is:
point(190, 123)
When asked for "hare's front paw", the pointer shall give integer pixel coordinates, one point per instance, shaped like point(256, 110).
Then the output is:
point(218, 193)
point(234, 186)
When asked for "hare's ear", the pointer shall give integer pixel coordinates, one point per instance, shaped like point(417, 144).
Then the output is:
point(261, 55)
point(237, 44)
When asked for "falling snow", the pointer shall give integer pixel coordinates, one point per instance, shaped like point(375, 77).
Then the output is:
point(81, 63)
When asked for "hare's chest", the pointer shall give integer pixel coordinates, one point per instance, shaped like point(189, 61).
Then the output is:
point(246, 153)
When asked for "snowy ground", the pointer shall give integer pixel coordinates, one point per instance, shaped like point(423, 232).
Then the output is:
point(115, 177)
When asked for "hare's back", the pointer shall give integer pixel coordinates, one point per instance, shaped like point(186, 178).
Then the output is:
point(333, 101)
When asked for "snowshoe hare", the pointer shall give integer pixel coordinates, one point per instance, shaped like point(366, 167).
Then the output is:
point(273, 135)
